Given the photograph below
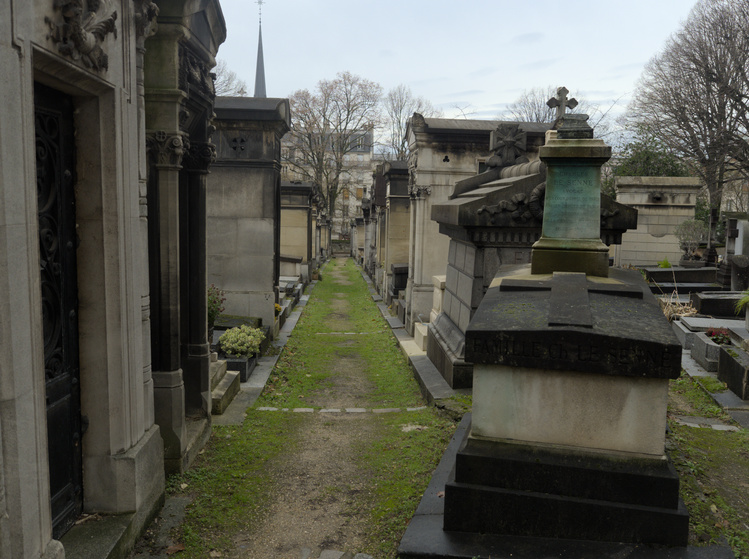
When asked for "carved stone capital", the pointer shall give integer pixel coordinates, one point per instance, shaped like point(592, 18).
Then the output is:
point(419, 191)
point(166, 149)
point(199, 156)
point(79, 28)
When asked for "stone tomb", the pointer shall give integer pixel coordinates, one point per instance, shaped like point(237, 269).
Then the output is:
point(442, 152)
point(570, 385)
point(296, 225)
point(662, 203)
point(492, 221)
point(566, 447)
point(243, 204)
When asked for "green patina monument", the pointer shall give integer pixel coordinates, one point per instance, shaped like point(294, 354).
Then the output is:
point(571, 235)
point(563, 454)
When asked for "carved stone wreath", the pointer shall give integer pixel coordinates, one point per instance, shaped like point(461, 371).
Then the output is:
point(524, 208)
point(80, 28)
point(518, 206)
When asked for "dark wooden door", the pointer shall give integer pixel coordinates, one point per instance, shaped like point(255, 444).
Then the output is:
point(55, 181)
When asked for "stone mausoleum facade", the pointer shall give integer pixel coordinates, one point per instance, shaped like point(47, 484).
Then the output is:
point(104, 149)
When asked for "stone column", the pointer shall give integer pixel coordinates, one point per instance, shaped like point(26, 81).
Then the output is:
point(195, 348)
point(166, 151)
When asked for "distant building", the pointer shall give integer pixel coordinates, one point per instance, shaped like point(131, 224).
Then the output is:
point(356, 177)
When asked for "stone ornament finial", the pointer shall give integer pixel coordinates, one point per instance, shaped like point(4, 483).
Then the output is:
point(79, 29)
point(508, 142)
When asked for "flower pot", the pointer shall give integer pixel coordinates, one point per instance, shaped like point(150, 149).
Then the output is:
point(245, 365)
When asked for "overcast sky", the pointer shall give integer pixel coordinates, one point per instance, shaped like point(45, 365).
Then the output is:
point(478, 55)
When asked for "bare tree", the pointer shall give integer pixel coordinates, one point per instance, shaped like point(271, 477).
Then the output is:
point(328, 125)
point(400, 104)
point(694, 94)
point(226, 82)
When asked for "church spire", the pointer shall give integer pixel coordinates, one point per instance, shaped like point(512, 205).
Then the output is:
point(260, 69)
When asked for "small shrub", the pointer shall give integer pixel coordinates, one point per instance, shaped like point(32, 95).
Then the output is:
point(664, 263)
point(719, 336)
point(242, 341)
point(216, 300)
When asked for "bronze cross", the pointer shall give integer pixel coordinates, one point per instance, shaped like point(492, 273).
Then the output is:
point(561, 103)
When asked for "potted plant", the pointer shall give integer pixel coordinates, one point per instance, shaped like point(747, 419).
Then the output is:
point(241, 345)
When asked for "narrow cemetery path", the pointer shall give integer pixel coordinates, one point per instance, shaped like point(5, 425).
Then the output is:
point(333, 458)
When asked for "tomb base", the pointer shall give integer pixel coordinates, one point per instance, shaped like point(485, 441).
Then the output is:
point(426, 536)
point(593, 262)
point(528, 490)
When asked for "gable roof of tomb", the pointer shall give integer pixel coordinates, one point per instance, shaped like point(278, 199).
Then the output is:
point(252, 108)
point(487, 125)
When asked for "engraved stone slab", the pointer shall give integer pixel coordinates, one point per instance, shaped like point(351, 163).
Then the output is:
point(573, 202)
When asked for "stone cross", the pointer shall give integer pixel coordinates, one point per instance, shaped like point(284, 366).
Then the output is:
point(561, 103)
point(569, 304)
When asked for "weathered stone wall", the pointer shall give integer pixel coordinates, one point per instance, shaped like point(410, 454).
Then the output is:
point(662, 204)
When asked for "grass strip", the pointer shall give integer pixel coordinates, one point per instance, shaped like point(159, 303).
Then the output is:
point(231, 483)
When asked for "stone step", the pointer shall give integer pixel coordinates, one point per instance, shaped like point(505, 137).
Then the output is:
point(307, 553)
point(217, 370)
point(224, 393)
point(682, 288)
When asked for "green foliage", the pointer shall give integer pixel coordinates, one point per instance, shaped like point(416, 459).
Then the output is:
point(742, 302)
point(231, 484)
point(711, 384)
point(646, 156)
point(699, 400)
point(401, 463)
point(664, 263)
point(719, 336)
point(216, 300)
point(712, 470)
point(242, 341)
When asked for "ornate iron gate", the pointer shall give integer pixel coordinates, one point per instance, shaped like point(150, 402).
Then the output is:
point(55, 167)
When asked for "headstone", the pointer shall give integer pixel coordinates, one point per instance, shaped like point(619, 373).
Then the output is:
point(571, 373)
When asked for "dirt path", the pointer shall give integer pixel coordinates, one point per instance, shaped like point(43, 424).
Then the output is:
point(339, 436)
point(316, 485)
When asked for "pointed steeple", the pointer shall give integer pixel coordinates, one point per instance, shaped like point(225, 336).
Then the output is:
point(260, 69)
